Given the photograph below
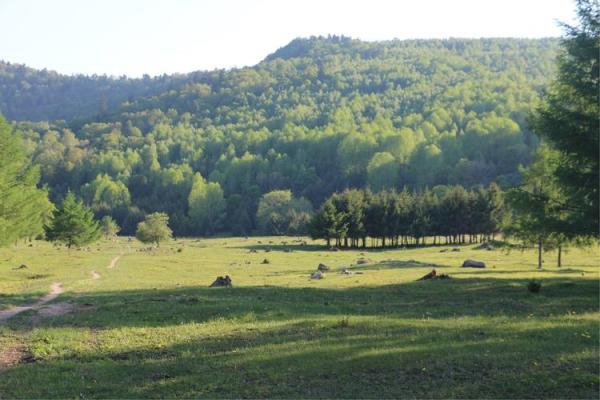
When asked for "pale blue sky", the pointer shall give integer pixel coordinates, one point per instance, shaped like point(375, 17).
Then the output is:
point(134, 37)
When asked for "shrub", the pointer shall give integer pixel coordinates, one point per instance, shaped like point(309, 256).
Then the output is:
point(344, 322)
point(534, 286)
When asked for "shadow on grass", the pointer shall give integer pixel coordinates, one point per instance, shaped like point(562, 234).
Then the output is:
point(283, 247)
point(394, 341)
point(436, 299)
point(329, 359)
point(533, 272)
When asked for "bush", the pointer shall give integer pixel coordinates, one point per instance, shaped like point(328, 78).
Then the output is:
point(534, 286)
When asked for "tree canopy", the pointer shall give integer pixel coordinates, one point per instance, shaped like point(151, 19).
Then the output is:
point(154, 229)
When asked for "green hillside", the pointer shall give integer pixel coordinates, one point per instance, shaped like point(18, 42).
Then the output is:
point(316, 116)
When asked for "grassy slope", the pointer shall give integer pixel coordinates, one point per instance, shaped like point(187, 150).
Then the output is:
point(156, 330)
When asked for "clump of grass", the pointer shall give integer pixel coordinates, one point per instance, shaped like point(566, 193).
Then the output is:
point(344, 322)
point(179, 250)
point(534, 286)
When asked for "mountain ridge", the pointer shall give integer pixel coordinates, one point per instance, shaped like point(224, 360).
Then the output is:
point(40, 94)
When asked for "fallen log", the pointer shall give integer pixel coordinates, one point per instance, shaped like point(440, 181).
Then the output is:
point(433, 275)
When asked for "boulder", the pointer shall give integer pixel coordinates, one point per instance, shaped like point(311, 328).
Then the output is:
point(316, 275)
point(266, 261)
point(484, 246)
point(362, 261)
point(473, 264)
point(323, 268)
point(222, 282)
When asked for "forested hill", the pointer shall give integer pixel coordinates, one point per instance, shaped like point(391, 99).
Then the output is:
point(37, 95)
point(316, 116)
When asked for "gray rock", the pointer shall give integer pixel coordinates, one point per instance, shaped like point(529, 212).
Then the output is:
point(484, 246)
point(473, 264)
point(316, 275)
point(323, 267)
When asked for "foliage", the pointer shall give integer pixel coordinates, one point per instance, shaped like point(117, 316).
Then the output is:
point(109, 227)
point(23, 207)
point(281, 214)
point(404, 218)
point(73, 224)
point(206, 206)
point(154, 229)
point(537, 207)
point(569, 119)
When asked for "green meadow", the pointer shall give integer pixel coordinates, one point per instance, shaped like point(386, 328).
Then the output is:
point(150, 326)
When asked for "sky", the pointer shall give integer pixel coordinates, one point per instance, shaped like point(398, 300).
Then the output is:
point(136, 37)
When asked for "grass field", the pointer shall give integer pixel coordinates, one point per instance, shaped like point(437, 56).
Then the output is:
point(150, 326)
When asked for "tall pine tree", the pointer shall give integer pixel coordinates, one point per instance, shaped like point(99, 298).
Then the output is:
point(23, 207)
point(73, 224)
point(569, 120)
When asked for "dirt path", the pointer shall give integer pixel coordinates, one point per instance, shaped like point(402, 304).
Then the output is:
point(55, 290)
point(114, 261)
point(11, 357)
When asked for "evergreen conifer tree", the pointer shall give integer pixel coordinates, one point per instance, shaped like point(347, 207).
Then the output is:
point(73, 224)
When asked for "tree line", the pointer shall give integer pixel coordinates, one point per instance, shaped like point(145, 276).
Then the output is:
point(448, 215)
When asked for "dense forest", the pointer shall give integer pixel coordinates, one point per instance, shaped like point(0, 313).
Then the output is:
point(317, 116)
point(38, 95)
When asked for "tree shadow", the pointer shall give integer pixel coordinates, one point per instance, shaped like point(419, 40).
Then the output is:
point(291, 247)
point(315, 359)
point(467, 338)
point(487, 297)
point(533, 272)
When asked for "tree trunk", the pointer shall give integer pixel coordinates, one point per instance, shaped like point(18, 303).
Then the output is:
point(328, 242)
point(540, 249)
point(559, 256)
